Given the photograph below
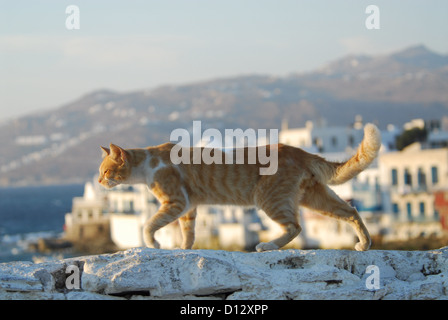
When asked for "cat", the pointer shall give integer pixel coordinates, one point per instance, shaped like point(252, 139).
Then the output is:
point(301, 180)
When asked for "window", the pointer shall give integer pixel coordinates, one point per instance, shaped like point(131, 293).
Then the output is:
point(377, 184)
point(334, 141)
point(351, 140)
point(407, 177)
point(395, 209)
point(409, 210)
point(421, 178)
point(319, 144)
point(434, 175)
point(128, 206)
point(394, 173)
point(422, 210)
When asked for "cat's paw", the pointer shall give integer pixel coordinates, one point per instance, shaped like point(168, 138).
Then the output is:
point(362, 246)
point(154, 244)
point(266, 246)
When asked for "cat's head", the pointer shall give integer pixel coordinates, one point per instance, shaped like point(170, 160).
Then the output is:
point(115, 168)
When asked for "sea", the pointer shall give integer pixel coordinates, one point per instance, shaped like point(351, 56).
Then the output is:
point(30, 213)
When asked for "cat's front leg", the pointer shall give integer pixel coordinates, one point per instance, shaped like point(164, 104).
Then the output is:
point(168, 212)
point(187, 223)
point(148, 238)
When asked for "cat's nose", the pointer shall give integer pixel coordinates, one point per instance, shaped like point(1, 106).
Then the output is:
point(99, 180)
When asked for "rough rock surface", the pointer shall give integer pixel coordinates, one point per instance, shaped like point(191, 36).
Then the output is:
point(143, 273)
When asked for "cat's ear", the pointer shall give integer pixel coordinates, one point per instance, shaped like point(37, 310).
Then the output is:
point(105, 152)
point(117, 153)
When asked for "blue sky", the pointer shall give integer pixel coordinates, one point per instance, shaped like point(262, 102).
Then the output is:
point(132, 45)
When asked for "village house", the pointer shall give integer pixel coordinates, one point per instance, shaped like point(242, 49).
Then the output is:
point(88, 224)
point(412, 176)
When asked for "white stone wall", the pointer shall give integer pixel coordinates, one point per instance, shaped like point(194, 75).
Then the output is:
point(143, 273)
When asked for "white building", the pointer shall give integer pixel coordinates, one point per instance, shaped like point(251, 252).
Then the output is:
point(88, 218)
point(235, 227)
point(117, 215)
point(129, 208)
point(318, 137)
point(411, 177)
point(438, 139)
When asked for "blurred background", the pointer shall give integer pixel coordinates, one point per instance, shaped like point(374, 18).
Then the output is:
point(75, 78)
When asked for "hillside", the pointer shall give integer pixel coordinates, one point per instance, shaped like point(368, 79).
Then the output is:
point(61, 145)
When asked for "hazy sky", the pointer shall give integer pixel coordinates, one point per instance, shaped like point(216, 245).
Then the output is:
point(132, 45)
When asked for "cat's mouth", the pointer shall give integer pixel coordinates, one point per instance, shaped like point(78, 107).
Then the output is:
point(111, 183)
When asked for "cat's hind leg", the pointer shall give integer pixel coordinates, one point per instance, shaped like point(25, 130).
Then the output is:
point(325, 201)
point(280, 201)
point(290, 231)
point(286, 216)
point(187, 223)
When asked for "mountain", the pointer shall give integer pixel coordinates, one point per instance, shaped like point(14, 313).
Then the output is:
point(62, 145)
point(420, 57)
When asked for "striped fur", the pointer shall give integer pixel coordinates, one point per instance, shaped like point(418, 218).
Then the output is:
point(301, 179)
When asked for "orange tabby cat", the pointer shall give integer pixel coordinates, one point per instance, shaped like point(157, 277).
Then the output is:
point(301, 179)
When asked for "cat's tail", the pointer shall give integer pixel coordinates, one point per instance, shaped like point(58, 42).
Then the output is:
point(338, 173)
